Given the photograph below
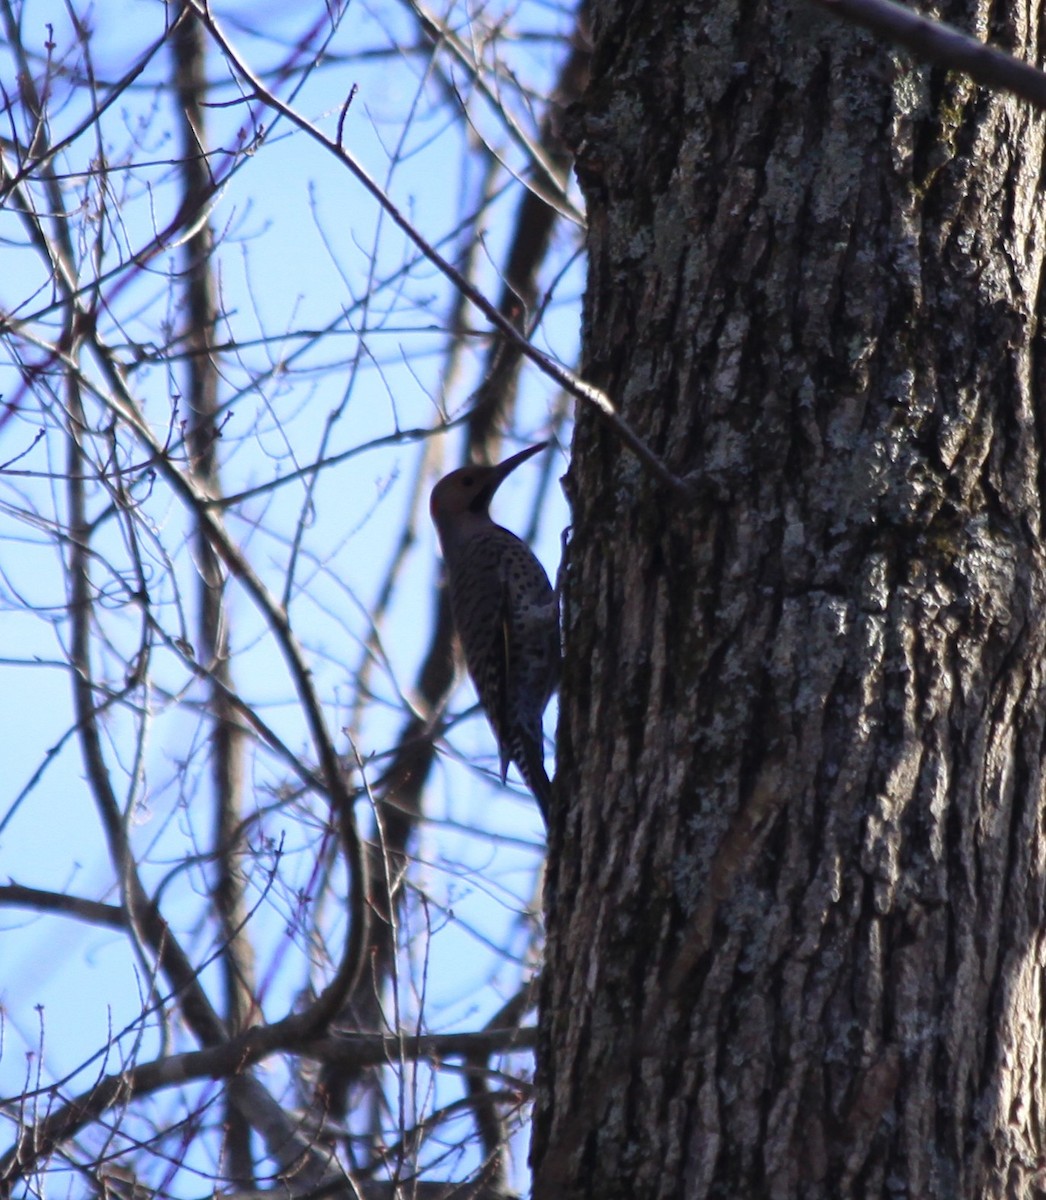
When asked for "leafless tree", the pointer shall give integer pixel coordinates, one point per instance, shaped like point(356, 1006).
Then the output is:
point(274, 926)
point(239, 769)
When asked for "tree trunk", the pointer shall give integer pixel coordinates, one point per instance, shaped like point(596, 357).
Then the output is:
point(796, 886)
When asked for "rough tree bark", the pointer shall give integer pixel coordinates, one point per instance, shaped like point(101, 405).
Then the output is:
point(796, 893)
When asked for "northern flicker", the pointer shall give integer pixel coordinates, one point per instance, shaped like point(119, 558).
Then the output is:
point(506, 615)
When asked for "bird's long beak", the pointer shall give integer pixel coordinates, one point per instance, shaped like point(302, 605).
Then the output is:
point(510, 464)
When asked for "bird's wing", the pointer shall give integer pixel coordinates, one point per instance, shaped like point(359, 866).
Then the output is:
point(501, 717)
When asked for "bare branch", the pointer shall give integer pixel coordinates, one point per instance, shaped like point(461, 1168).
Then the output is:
point(565, 378)
point(936, 42)
point(227, 759)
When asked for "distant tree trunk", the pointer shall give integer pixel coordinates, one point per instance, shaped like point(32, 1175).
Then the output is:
point(796, 891)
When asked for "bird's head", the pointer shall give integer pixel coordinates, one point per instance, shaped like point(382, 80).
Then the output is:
point(468, 491)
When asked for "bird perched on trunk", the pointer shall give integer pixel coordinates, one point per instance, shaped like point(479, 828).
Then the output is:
point(506, 615)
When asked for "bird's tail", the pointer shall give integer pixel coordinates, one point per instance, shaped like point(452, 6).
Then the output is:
point(528, 754)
